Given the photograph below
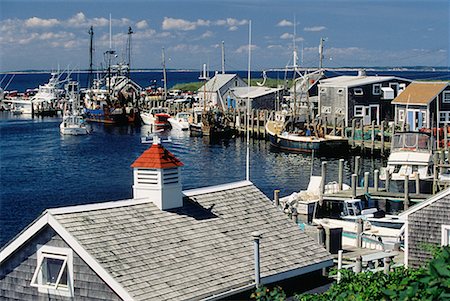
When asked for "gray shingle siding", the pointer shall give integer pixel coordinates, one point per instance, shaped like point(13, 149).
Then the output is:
point(17, 271)
point(424, 229)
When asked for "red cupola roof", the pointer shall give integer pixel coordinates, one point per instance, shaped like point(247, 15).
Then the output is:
point(157, 157)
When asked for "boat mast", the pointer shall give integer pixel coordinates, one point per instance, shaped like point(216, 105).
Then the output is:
point(91, 52)
point(130, 32)
point(164, 73)
point(223, 57)
point(321, 53)
point(109, 53)
point(247, 173)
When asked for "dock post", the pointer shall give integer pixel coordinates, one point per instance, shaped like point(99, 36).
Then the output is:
point(417, 178)
point(445, 138)
point(276, 197)
point(382, 137)
point(343, 134)
point(386, 265)
point(341, 174)
point(358, 265)
point(321, 235)
point(376, 179)
point(372, 137)
point(366, 182)
point(353, 132)
point(354, 186)
point(388, 181)
point(325, 126)
point(359, 231)
point(334, 126)
point(356, 171)
point(406, 188)
point(258, 131)
point(264, 124)
point(363, 148)
point(324, 178)
point(339, 265)
point(252, 123)
point(435, 178)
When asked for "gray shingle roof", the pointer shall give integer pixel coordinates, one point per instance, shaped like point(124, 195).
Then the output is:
point(202, 249)
point(217, 82)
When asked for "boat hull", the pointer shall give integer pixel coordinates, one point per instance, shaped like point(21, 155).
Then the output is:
point(102, 116)
point(308, 144)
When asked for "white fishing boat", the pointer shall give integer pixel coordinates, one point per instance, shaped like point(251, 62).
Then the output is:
point(73, 122)
point(180, 121)
point(157, 116)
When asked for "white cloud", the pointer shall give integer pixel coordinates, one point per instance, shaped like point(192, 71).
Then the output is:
point(181, 24)
point(244, 48)
point(207, 34)
point(80, 20)
point(275, 47)
point(233, 28)
point(141, 24)
point(286, 36)
point(38, 22)
point(315, 28)
point(284, 23)
point(186, 48)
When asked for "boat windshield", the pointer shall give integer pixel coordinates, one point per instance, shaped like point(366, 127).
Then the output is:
point(411, 142)
point(158, 110)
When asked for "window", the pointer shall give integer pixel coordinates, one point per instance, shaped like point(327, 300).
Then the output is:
point(401, 115)
point(444, 117)
point(323, 90)
point(446, 96)
point(340, 91)
point(54, 271)
point(376, 89)
point(358, 91)
point(445, 240)
point(326, 110)
point(359, 111)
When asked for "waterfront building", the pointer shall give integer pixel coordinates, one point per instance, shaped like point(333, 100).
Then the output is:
point(364, 97)
point(262, 98)
point(420, 101)
point(214, 90)
point(163, 244)
point(427, 226)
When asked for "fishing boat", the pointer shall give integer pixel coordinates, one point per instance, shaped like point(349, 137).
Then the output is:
point(157, 117)
point(73, 122)
point(180, 121)
point(288, 133)
point(45, 101)
point(411, 155)
point(195, 126)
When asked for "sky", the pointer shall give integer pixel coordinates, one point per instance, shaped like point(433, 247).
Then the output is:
point(358, 33)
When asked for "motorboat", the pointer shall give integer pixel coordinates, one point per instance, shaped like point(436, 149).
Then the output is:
point(73, 122)
point(180, 121)
point(411, 155)
point(157, 116)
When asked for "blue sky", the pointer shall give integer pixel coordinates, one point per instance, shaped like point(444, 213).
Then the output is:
point(45, 34)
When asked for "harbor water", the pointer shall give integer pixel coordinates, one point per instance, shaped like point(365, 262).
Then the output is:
point(42, 169)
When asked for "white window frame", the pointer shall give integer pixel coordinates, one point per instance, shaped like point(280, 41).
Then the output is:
point(340, 91)
point(445, 230)
point(446, 97)
point(376, 86)
point(325, 110)
point(444, 117)
point(358, 107)
point(358, 91)
point(401, 115)
point(64, 254)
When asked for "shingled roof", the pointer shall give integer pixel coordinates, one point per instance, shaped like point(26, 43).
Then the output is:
point(421, 93)
point(201, 250)
point(157, 157)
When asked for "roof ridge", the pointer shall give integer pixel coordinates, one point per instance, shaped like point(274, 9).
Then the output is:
point(217, 188)
point(98, 206)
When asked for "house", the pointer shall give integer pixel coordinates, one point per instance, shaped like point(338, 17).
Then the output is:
point(427, 225)
point(423, 105)
point(213, 91)
point(364, 97)
point(262, 98)
point(163, 244)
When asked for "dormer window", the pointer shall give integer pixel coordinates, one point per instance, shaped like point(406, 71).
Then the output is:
point(54, 271)
point(358, 91)
point(376, 89)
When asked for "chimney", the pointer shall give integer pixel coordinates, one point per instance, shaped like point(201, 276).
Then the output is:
point(157, 177)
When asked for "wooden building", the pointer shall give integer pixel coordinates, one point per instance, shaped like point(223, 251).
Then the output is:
point(214, 90)
point(364, 97)
point(262, 98)
point(423, 105)
point(427, 226)
point(164, 244)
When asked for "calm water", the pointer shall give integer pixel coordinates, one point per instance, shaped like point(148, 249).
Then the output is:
point(41, 168)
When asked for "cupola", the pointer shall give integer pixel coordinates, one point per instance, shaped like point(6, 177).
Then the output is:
point(157, 177)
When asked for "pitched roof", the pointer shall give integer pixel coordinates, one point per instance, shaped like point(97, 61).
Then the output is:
point(202, 250)
point(217, 82)
point(426, 202)
point(355, 81)
point(421, 93)
point(253, 92)
point(157, 157)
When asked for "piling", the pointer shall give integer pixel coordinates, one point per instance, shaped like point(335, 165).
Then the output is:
point(376, 179)
point(265, 122)
point(354, 186)
point(359, 231)
point(324, 179)
point(339, 265)
point(366, 182)
point(321, 235)
point(341, 174)
point(382, 137)
point(362, 136)
point(334, 126)
point(276, 197)
point(388, 181)
point(445, 138)
point(357, 163)
point(386, 265)
point(372, 136)
point(406, 188)
point(358, 265)
point(353, 132)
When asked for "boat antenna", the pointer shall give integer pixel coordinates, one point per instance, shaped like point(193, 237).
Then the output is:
point(248, 100)
point(164, 73)
point(91, 52)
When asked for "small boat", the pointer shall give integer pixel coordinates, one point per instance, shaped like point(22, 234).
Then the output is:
point(180, 121)
point(157, 116)
point(195, 126)
point(411, 155)
point(73, 122)
point(302, 139)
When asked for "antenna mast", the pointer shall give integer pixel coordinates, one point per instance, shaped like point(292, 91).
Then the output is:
point(223, 57)
point(130, 32)
point(91, 52)
point(247, 173)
